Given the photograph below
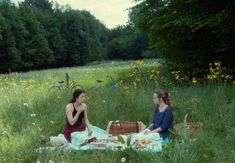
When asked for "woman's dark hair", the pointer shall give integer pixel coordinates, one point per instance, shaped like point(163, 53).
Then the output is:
point(166, 97)
point(76, 94)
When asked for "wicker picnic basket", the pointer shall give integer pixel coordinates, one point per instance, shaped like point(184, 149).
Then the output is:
point(124, 127)
point(191, 127)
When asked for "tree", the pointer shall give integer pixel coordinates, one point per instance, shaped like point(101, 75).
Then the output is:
point(189, 33)
point(127, 43)
point(9, 55)
point(36, 51)
point(42, 4)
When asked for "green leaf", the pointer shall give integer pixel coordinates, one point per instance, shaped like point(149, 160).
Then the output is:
point(120, 139)
point(128, 141)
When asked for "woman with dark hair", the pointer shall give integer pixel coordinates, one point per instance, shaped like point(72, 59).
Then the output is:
point(76, 115)
point(163, 115)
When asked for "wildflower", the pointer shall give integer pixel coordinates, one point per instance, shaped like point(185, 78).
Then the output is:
point(166, 4)
point(217, 63)
point(103, 101)
point(26, 104)
point(177, 77)
point(139, 62)
point(33, 115)
point(50, 161)
point(52, 122)
point(126, 87)
point(123, 159)
point(194, 81)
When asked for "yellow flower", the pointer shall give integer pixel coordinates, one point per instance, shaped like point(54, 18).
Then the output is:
point(177, 77)
point(210, 77)
point(144, 142)
point(217, 63)
point(139, 62)
point(125, 87)
point(194, 80)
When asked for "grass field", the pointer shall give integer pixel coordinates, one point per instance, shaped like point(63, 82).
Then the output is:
point(32, 110)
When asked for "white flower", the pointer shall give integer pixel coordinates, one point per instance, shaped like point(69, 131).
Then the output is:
point(38, 161)
point(103, 101)
point(26, 104)
point(123, 159)
point(50, 161)
point(52, 122)
point(33, 115)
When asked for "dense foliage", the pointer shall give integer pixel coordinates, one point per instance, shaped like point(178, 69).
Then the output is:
point(189, 34)
point(40, 34)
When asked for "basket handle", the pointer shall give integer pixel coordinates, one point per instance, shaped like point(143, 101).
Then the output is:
point(108, 126)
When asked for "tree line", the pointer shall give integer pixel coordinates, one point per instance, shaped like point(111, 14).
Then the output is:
point(188, 34)
point(39, 34)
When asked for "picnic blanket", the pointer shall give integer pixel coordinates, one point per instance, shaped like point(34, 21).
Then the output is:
point(100, 139)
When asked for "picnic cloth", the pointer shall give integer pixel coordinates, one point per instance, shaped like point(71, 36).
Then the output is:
point(150, 142)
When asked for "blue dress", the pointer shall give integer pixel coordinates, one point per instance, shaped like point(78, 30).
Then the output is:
point(164, 120)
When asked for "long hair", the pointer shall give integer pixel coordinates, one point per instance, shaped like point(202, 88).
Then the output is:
point(166, 97)
point(76, 94)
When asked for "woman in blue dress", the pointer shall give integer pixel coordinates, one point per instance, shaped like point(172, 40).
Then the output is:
point(163, 115)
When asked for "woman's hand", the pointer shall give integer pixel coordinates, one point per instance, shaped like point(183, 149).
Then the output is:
point(81, 109)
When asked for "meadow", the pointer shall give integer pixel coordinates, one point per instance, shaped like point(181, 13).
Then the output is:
point(32, 109)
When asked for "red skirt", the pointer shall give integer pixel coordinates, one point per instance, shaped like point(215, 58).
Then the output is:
point(70, 129)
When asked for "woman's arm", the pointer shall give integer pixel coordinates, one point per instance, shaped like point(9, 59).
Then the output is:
point(69, 113)
point(159, 129)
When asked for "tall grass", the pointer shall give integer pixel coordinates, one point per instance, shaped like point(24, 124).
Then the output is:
point(30, 114)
